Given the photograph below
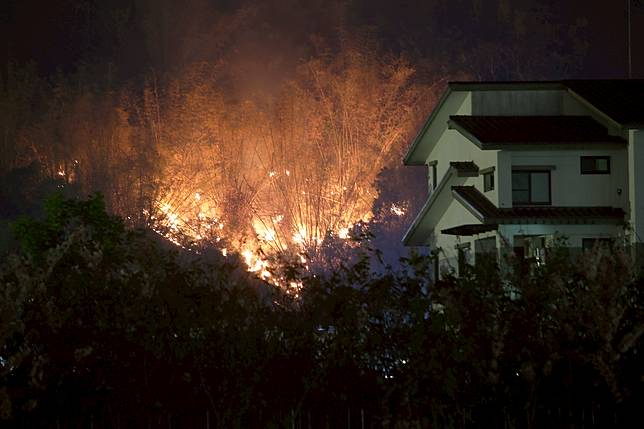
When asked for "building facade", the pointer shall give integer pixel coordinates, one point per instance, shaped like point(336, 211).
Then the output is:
point(513, 166)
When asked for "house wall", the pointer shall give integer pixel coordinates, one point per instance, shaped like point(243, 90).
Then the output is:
point(518, 102)
point(458, 103)
point(453, 146)
point(636, 186)
point(573, 234)
point(568, 186)
point(439, 207)
point(455, 214)
point(439, 137)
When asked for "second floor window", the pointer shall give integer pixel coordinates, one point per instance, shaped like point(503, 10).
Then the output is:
point(531, 187)
point(595, 165)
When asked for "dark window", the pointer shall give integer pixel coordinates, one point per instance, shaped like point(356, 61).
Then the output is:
point(485, 250)
point(463, 259)
point(436, 267)
point(531, 187)
point(488, 181)
point(434, 175)
point(595, 165)
point(530, 252)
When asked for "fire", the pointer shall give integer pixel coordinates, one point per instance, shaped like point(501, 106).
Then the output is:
point(397, 210)
point(199, 156)
point(256, 264)
point(280, 177)
point(295, 288)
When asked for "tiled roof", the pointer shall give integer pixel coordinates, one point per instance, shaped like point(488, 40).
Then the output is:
point(549, 212)
point(534, 129)
point(621, 99)
point(478, 201)
point(465, 168)
point(492, 214)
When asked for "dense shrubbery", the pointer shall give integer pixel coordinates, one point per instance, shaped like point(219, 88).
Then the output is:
point(105, 327)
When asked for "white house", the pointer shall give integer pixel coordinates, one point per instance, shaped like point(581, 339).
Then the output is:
point(511, 165)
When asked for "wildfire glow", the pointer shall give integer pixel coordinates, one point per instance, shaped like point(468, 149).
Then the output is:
point(281, 178)
point(397, 210)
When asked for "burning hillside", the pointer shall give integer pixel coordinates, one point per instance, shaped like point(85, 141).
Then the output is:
point(282, 177)
point(277, 173)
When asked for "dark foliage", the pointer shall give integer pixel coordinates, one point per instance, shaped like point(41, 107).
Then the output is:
point(104, 327)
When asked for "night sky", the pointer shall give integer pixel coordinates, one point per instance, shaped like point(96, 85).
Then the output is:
point(76, 74)
point(584, 38)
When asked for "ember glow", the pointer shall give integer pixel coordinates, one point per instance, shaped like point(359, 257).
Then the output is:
point(282, 177)
point(280, 174)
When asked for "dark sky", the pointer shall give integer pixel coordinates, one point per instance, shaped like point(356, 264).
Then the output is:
point(138, 35)
point(119, 44)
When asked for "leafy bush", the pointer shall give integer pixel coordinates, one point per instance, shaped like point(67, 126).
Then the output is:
point(106, 327)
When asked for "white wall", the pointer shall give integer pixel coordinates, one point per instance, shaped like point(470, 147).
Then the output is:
point(568, 186)
point(455, 215)
point(453, 146)
point(457, 103)
point(636, 183)
point(517, 102)
point(573, 233)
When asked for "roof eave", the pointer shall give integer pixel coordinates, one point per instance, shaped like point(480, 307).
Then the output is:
point(507, 85)
point(480, 229)
point(454, 125)
point(634, 126)
point(407, 160)
point(477, 214)
point(409, 234)
point(550, 145)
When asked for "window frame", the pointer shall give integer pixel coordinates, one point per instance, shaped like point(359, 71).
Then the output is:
point(487, 187)
point(434, 173)
point(464, 256)
point(595, 171)
point(530, 202)
point(483, 251)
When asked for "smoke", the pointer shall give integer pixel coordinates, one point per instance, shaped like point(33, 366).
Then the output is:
point(266, 127)
point(289, 173)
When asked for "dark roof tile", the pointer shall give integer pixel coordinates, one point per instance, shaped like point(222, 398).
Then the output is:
point(493, 214)
point(550, 212)
point(465, 168)
point(534, 129)
point(470, 229)
point(476, 200)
